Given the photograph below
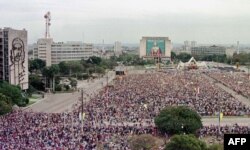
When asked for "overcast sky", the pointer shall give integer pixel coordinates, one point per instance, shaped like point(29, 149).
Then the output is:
point(206, 21)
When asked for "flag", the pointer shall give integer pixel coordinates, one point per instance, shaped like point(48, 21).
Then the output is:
point(80, 116)
point(83, 116)
point(220, 116)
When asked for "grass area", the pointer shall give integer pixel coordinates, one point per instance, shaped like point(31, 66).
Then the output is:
point(31, 102)
point(33, 99)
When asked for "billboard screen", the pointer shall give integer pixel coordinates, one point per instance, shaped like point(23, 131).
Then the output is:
point(155, 48)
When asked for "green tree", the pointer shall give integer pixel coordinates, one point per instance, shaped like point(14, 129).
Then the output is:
point(36, 64)
point(50, 73)
point(64, 68)
point(173, 55)
point(143, 142)
point(215, 147)
point(73, 82)
point(242, 58)
point(184, 57)
point(100, 70)
point(13, 92)
point(94, 60)
point(177, 120)
point(75, 67)
point(36, 82)
point(5, 104)
point(185, 142)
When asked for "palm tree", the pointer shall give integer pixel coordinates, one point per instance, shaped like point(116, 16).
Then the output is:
point(50, 73)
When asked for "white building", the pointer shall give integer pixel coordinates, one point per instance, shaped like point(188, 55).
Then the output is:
point(44, 50)
point(70, 51)
point(188, 45)
point(202, 51)
point(54, 53)
point(118, 48)
point(193, 44)
point(14, 57)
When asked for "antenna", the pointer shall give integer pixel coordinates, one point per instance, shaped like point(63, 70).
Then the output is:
point(47, 24)
point(238, 47)
point(103, 46)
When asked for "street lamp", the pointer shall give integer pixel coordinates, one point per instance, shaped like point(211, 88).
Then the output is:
point(182, 128)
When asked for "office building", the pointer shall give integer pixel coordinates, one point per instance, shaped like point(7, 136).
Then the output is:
point(117, 46)
point(14, 57)
point(193, 44)
point(56, 52)
point(189, 45)
point(44, 50)
point(70, 51)
point(201, 51)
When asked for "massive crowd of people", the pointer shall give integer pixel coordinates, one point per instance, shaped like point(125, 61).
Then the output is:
point(120, 110)
point(239, 82)
point(215, 130)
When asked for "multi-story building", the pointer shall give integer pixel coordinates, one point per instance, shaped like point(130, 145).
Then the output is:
point(14, 57)
point(54, 53)
point(202, 51)
point(155, 48)
point(189, 45)
point(186, 46)
point(44, 50)
point(117, 46)
point(193, 44)
point(70, 51)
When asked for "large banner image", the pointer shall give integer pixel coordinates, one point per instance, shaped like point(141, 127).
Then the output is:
point(155, 48)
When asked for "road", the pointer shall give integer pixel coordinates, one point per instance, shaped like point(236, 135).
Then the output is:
point(245, 121)
point(61, 102)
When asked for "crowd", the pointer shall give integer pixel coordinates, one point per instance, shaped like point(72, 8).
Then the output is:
point(119, 111)
point(239, 82)
point(213, 130)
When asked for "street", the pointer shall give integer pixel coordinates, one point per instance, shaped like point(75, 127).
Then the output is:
point(61, 102)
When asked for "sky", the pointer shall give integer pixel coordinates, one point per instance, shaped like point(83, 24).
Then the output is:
point(205, 21)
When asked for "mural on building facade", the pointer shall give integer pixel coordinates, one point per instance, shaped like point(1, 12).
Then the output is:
point(17, 59)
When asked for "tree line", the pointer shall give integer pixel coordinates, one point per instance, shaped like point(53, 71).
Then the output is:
point(11, 95)
point(242, 58)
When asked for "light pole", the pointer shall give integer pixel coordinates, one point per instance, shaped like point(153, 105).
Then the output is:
point(248, 67)
point(182, 128)
point(82, 105)
point(107, 78)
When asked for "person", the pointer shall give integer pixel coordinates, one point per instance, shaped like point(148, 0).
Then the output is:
point(155, 50)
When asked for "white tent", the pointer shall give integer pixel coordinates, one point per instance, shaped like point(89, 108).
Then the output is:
point(192, 62)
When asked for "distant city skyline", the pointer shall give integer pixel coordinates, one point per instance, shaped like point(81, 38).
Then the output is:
point(206, 21)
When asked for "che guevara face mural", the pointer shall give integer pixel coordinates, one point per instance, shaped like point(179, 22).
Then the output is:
point(17, 51)
point(17, 57)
